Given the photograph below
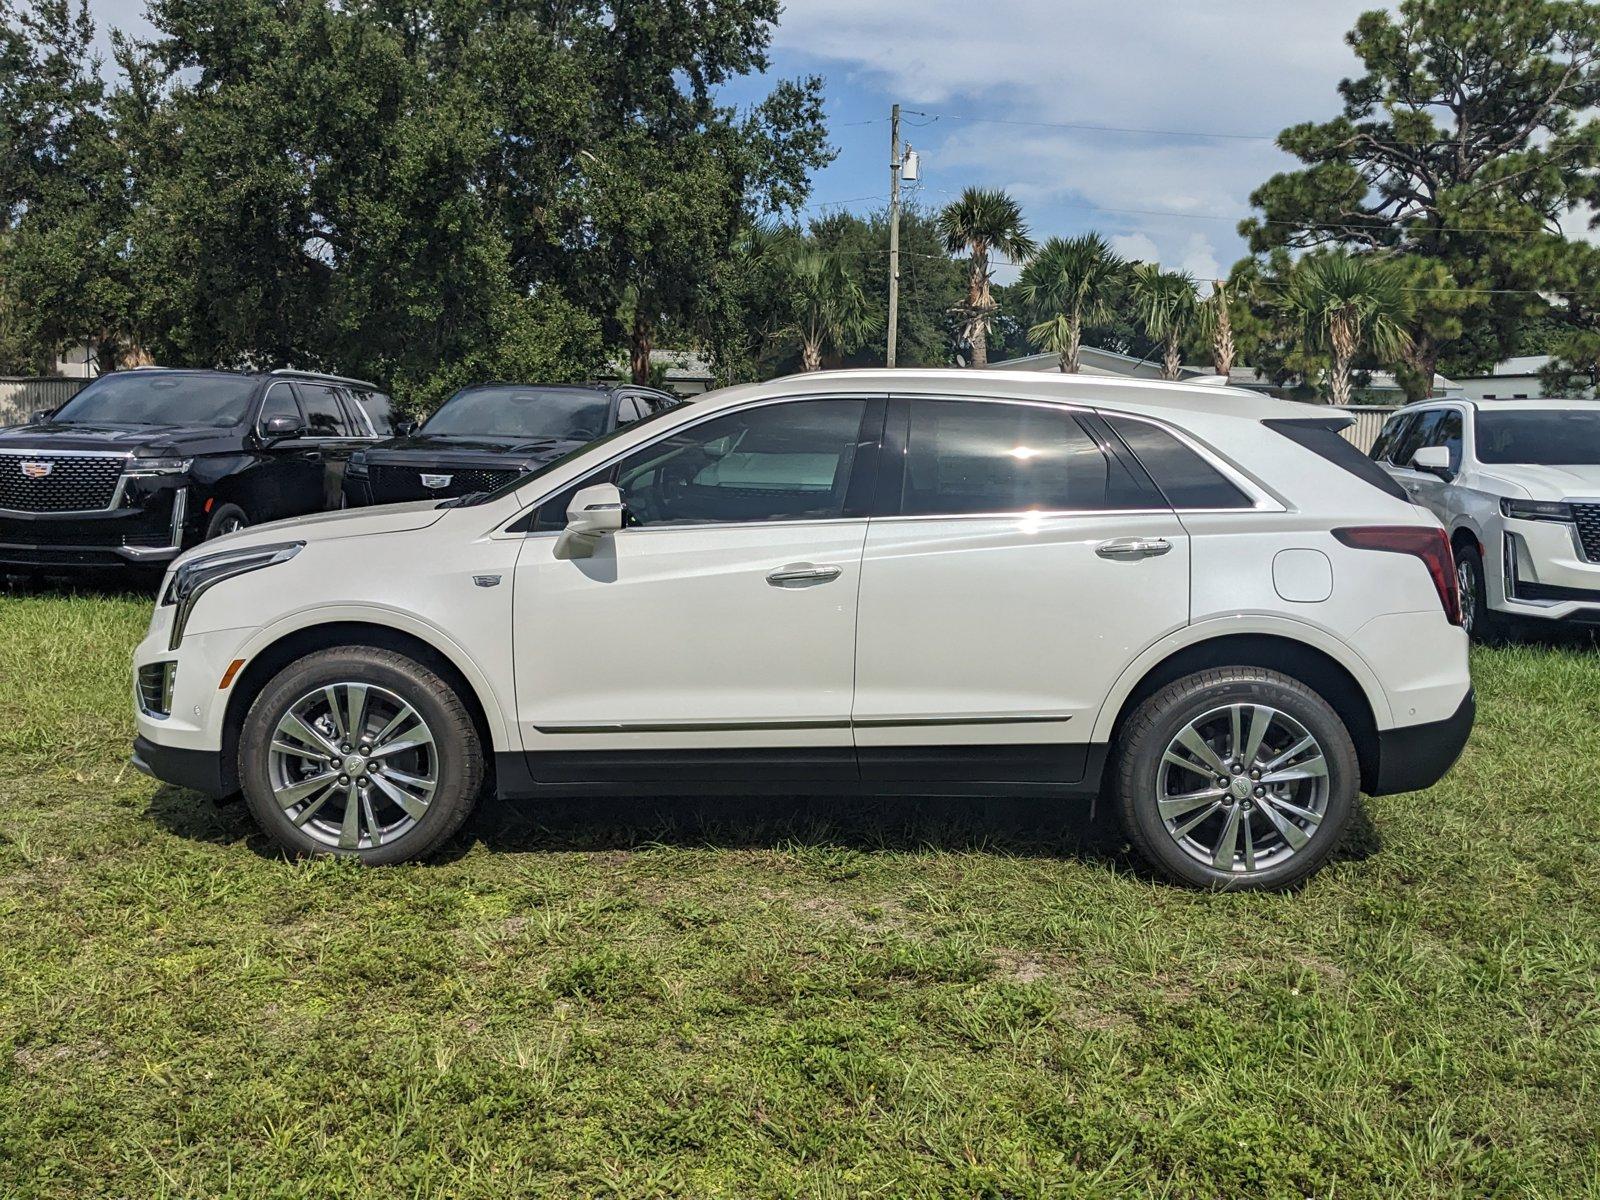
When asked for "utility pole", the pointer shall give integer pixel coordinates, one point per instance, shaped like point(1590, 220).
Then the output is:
point(894, 231)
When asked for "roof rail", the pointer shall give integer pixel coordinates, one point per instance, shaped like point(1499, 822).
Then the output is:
point(323, 375)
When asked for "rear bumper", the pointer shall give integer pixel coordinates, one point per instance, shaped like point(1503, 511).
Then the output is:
point(197, 770)
point(1414, 757)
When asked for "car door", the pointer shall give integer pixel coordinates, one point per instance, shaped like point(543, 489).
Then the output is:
point(1429, 429)
point(332, 435)
point(1017, 561)
point(716, 630)
point(289, 470)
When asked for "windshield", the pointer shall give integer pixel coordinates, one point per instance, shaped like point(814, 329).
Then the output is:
point(159, 398)
point(1539, 437)
point(522, 412)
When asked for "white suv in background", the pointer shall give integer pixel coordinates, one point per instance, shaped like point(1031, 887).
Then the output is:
point(1200, 603)
point(1517, 484)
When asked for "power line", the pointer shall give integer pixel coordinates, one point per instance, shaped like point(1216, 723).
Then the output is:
point(1095, 128)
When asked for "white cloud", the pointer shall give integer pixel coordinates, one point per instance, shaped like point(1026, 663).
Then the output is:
point(1232, 66)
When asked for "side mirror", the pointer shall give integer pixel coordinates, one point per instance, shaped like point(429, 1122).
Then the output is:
point(42, 415)
point(593, 513)
point(1435, 460)
point(404, 428)
point(275, 429)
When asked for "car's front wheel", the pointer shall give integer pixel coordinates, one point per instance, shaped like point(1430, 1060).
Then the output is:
point(1234, 779)
point(362, 753)
point(1480, 621)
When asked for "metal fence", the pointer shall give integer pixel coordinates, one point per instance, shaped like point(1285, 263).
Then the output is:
point(20, 398)
point(1369, 419)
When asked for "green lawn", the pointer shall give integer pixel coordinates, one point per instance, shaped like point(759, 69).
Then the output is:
point(756, 998)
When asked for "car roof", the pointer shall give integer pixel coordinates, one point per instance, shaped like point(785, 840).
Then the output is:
point(589, 386)
point(1155, 396)
point(279, 373)
point(1552, 403)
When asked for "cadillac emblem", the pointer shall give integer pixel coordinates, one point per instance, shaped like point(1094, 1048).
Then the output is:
point(437, 481)
point(37, 470)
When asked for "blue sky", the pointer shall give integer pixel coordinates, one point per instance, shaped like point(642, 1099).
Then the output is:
point(997, 81)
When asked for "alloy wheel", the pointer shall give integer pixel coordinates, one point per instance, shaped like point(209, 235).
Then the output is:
point(1467, 585)
point(230, 525)
point(353, 765)
point(1242, 788)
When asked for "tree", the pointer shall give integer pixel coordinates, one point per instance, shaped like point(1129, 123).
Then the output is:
point(1345, 303)
point(1463, 143)
point(983, 222)
point(823, 307)
point(1167, 307)
point(1215, 322)
point(63, 198)
point(1066, 286)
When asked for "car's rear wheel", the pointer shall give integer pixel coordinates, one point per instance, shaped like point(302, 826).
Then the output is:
point(360, 753)
point(1235, 779)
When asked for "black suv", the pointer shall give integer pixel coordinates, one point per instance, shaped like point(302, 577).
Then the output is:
point(487, 435)
point(143, 463)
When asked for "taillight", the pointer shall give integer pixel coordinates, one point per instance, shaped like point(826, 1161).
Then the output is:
point(1432, 546)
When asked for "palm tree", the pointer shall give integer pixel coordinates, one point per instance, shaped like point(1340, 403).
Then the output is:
point(1067, 286)
point(1165, 304)
point(982, 222)
point(1216, 326)
point(823, 305)
point(1345, 303)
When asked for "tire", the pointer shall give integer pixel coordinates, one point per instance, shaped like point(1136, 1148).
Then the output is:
point(1178, 818)
point(395, 818)
point(1482, 623)
point(226, 518)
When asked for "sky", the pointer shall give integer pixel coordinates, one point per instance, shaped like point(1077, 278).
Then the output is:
point(985, 86)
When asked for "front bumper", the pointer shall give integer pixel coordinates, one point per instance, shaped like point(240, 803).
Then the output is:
point(148, 528)
point(1414, 757)
point(198, 770)
point(1545, 574)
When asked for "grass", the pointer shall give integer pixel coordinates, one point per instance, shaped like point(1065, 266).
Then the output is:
point(798, 998)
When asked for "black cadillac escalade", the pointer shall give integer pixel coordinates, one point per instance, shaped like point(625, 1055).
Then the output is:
point(487, 435)
point(144, 463)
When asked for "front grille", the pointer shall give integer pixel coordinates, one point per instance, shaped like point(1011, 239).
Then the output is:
point(74, 483)
point(149, 525)
point(393, 484)
point(155, 687)
point(1588, 518)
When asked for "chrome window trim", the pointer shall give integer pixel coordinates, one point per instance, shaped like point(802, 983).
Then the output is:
point(117, 494)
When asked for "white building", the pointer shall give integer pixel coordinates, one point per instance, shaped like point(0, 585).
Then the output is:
point(1513, 379)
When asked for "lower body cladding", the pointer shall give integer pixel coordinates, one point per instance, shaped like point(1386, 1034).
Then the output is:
point(1406, 758)
point(146, 526)
point(1545, 574)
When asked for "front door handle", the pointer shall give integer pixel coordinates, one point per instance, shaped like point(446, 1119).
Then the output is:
point(803, 575)
point(1130, 548)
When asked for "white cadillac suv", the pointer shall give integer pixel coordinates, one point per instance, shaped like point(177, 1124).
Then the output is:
point(1517, 485)
point(1202, 604)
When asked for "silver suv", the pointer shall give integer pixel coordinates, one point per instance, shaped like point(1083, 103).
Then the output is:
point(1517, 484)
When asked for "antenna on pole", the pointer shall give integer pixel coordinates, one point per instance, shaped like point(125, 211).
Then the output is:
point(894, 232)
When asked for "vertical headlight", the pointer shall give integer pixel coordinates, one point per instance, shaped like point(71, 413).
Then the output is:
point(191, 580)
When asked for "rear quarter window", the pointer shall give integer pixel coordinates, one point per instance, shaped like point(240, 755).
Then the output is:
point(1186, 479)
point(1320, 435)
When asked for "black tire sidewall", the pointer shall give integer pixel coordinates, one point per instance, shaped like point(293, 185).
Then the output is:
point(455, 740)
point(219, 514)
point(1160, 718)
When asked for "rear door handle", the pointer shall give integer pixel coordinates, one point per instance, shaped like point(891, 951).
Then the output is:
point(1130, 548)
point(803, 575)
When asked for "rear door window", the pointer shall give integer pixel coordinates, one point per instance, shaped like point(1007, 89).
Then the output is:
point(1185, 478)
point(324, 415)
point(968, 457)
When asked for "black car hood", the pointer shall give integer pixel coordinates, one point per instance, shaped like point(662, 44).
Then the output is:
point(114, 438)
point(421, 450)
